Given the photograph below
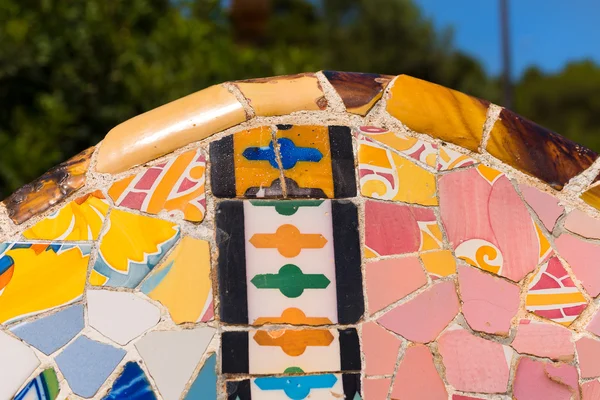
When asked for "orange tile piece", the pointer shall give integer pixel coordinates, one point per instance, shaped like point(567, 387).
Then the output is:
point(282, 95)
point(294, 343)
point(592, 196)
point(294, 316)
point(439, 263)
point(438, 111)
point(169, 127)
point(288, 240)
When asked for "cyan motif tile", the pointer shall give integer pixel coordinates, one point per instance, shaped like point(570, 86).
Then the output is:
point(50, 333)
point(176, 186)
point(55, 271)
point(290, 351)
point(132, 246)
point(43, 387)
point(86, 364)
point(313, 387)
point(132, 384)
point(289, 262)
point(245, 165)
point(205, 384)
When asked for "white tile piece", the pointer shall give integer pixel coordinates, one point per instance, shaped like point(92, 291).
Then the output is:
point(120, 316)
point(172, 357)
point(17, 363)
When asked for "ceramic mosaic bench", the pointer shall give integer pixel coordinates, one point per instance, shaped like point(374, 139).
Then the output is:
point(320, 236)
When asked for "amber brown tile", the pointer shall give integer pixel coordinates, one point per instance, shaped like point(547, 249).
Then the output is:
point(592, 196)
point(49, 189)
point(359, 92)
point(169, 127)
point(537, 151)
point(438, 111)
point(282, 95)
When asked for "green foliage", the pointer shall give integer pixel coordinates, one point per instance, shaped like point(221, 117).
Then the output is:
point(71, 70)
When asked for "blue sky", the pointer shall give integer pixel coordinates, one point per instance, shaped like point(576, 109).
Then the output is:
point(546, 33)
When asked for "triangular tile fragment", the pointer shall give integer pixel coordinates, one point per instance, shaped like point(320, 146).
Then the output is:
point(43, 387)
point(205, 384)
point(132, 384)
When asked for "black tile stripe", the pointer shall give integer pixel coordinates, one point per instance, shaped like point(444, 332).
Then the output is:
point(349, 350)
point(351, 383)
point(348, 275)
point(342, 162)
point(239, 390)
point(222, 168)
point(234, 353)
point(232, 262)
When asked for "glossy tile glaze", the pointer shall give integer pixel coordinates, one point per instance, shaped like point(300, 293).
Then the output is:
point(307, 257)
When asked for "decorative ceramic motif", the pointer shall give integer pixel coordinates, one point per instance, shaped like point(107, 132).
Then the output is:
point(293, 257)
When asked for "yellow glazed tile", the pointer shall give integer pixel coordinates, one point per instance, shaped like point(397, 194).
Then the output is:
point(183, 284)
point(439, 263)
point(40, 277)
point(284, 94)
point(177, 186)
point(169, 127)
point(81, 219)
point(132, 246)
point(592, 196)
point(438, 111)
point(387, 176)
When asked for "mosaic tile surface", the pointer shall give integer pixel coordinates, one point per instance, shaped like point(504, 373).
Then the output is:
point(303, 257)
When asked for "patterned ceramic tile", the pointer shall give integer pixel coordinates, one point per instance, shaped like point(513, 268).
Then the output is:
point(553, 295)
point(578, 253)
point(544, 340)
point(290, 351)
point(132, 384)
point(536, 150)
point(172, 357)
point(55, 271)
point(317, 387)
point(440, 304)
point(410, 146)
point(80, 219)
point(49, 189)
point(588, 353)
point(387, 176)
point(169, 127)
point(537, 379)
point(278, 262)
point(438, 111)
point(17, 363)
point(245, 165)
point(86, 364)
point(392, 229)
point(50, 333)
point(380, 349)
point(359, 92)
point(439, 264)
point(474, 364)
point(487, 223)
point(390, 280)
point(132, 246)
point(546, 206)
point(417, 377)
point(317, 161)
point(42, 387)
point(182, 282)
point(283, 94)
point(176, 186)
point(120, 316)
point(205, 384)
point(450, 159)
point(489, 303)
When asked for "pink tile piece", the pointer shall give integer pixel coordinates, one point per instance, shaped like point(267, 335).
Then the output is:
point(417, 378)
point(536, 380)
point(594, 325)
point(584, 258)
point(544, 340)
point(392, 279)
point(474, 364)
point(489, 303)
point(545, 205)
point(422, 318)
point(588, 354)
point(393, 228)
point(376, 389)
point(579, 222)
point(591, 390)
point(461, 397)
point(380, 348)
point(487, 223)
